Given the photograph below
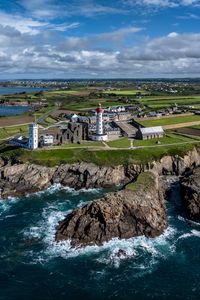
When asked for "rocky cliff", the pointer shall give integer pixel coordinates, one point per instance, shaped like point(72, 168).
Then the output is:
point(190, 190)
point(19, 179)
point(136, 210)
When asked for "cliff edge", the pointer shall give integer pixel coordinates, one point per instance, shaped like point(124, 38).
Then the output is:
point(190, 191)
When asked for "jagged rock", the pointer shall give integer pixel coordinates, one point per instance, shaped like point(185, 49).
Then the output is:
point(88, 175)
point(190, 191)
point(134, 211)
point(21, 179)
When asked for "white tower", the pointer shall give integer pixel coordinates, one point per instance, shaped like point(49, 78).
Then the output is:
point(33, 136)
point(99, 120)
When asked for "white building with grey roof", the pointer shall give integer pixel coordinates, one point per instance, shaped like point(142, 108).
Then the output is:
point(147, 133)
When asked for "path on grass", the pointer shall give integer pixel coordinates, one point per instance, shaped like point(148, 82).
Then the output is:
point(92, 148)
point(46, 115)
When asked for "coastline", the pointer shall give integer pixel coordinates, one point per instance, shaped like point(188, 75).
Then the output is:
point(18, 178)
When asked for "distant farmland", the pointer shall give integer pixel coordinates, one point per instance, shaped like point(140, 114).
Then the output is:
point(126, 92)
point(170, 121)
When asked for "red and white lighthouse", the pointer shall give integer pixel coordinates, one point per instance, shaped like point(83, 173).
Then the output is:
point(99, 120)
point(100, 135)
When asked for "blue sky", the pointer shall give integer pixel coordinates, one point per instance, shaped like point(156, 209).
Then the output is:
point(99, 39)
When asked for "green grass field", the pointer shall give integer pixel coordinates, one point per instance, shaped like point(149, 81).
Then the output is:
point(83, 145)
point(144, 181)
point(99, 157)
point(120, 143)
point(90, 104)
point(126, 92)
point(170, 121)
point(166, 101)
point(7, 132)
point(61, 92)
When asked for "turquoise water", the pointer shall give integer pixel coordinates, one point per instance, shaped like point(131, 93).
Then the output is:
point(33, 266)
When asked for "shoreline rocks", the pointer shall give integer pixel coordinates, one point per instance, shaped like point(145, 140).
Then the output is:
point(124, 214)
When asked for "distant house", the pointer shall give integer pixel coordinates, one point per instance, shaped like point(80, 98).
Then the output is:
point(150, 133)
point(152, 114)
point(116, 109)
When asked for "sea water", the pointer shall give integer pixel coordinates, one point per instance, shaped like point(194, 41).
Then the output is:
point(34, 267)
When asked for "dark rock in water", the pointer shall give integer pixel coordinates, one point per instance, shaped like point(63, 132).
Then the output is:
point(121, 253)
point(137, 210)
point(190, 191)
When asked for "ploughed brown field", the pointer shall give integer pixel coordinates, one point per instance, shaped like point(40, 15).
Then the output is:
point(190, 131)
point(15, 120)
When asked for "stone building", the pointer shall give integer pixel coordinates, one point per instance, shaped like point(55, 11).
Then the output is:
point(150, 133)
point(72, 133)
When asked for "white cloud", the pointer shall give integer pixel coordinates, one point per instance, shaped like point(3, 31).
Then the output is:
point(23, 25)
point(173, 34)
point(171, 55)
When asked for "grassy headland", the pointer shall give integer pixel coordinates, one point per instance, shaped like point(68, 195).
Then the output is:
point(98, 157)
point(145, 181)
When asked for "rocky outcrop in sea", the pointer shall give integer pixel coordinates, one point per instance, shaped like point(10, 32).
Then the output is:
point(136, 210)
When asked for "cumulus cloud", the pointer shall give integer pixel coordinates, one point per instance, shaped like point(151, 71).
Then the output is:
point(46, 48)
point(84, 57)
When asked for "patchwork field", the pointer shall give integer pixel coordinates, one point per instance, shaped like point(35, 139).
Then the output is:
point(166, 101)
point(126, 92)
point(170, 121)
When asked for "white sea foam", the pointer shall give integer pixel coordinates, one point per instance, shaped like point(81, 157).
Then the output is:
point(5, 205)
point(58, 187)
point(112, 252)
point(192, 233)
point(188, 221)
